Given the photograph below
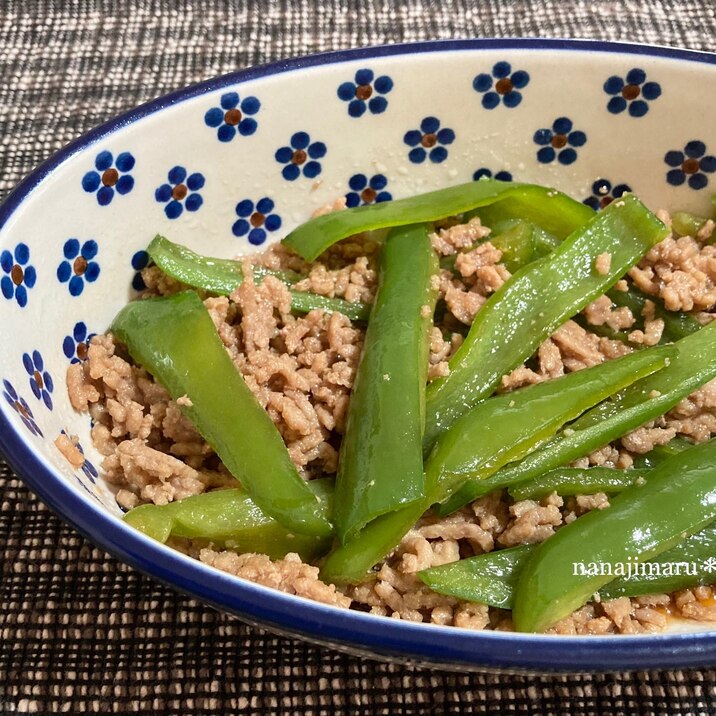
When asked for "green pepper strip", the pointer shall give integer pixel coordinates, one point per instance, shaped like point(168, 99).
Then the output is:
point(694, 552)
point(568, 481)
point(495, 431)
point(678, 499)
point(534, 302)
point(676, 325)
point(519, 241)
point(231, 519)
point(175, 339)
point(659, 453)
point(685, 224)
point(491, 578)
point(222, 276)
point(693, 365)
point(487, 578)
point(552, 210)
point(381, 462)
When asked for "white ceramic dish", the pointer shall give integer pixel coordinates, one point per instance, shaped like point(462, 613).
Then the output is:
point(587, 118)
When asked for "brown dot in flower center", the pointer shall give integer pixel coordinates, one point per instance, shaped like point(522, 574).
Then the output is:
point(605, 201)
point(631, 92)
point(257, 219)
point(368, 195)
point(691, 166)
point(110, 176)
point(429, 140)
point(504, 85)
point(364, 91)
point(232, 117)
point(37, 377)
point(179, 192)
point(21, 409)
point(17, 275)
point(82, 351)
point(559, 140)
point(79, 266)
point(299, 156)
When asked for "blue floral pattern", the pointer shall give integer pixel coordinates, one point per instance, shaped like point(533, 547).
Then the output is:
point(20, 406)
point(502, 86)
point(256, 220)
point(140, 261)
point(233, 116)
point(560, 142)
point(604, 193)
point(690, 164)
point(40, 380)
point(182, 192)
point(79, 265)
point(109, 176)
point(19, 274)
point(367, 190)
point(301, 157)
point(501, 175)
point(76, 344)
point(632, 92)
point(429, 142)
point(366, 92)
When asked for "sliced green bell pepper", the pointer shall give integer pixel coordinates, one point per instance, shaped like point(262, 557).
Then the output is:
point(175, 339)
point(222, 276)
point(659, 453)
point(495, 431)
point(491, 578)
point(568, 481)
point(678, 499)
point(693, 365)
point(507, 427)
point(676, 325)
point(487, 578)
point(230, 519)
point(381, 459)
point(553, 211)
point(685, 224)
point(534, 302)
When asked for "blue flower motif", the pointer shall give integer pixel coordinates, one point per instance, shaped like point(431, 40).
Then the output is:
point(485, 172)
point(181, 192)
point(75, 345)
point(301, 157)
point(555, 141)
point(20, 406)
point(40, 380)
point(603, 193)
point(87, 467)
point(19, 275)
point(140, 261)
point(233, 116)
point(691, 162)
point(429, 141)
point(366, 92)
point(257, 220)
point(632, 92)
point(366, 190)
point(109, 176)
point(506, 85)
point(78, 265)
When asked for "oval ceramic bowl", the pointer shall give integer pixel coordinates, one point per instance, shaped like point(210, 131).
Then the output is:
point(591, 119)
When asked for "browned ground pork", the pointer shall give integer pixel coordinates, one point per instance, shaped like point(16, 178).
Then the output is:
point(301, 370)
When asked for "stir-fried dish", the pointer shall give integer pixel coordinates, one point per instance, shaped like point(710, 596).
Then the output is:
point(488, 407)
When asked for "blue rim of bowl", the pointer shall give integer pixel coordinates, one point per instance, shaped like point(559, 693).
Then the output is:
point(345, 629)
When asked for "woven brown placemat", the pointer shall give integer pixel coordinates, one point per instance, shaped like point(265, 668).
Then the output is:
point(83, 633)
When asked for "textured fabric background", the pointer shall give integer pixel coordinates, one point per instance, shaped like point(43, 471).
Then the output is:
point(82, 633)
